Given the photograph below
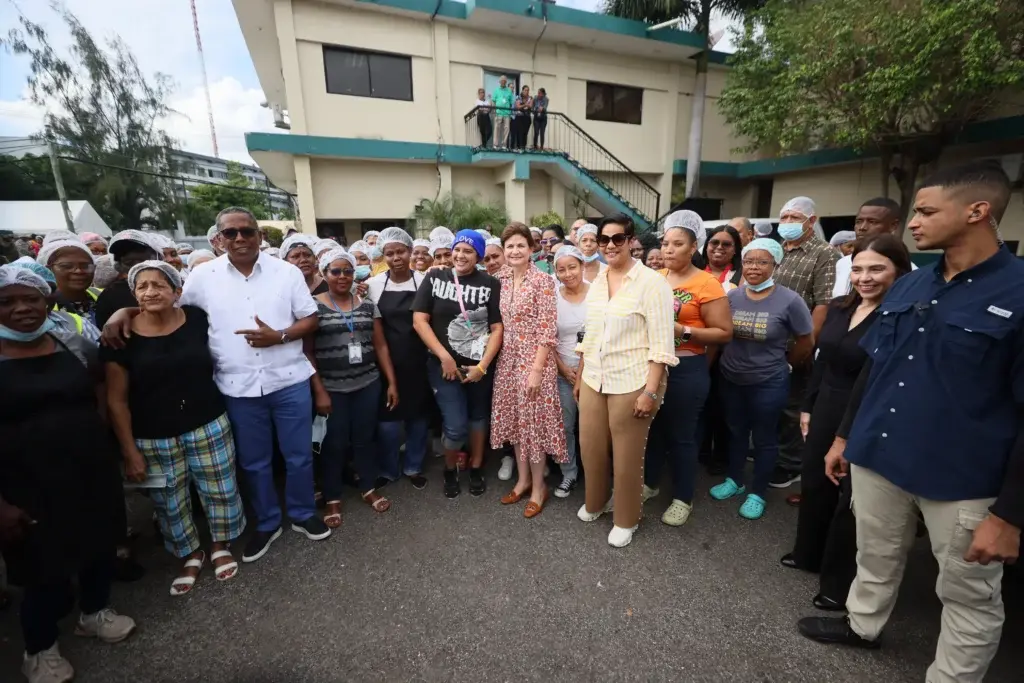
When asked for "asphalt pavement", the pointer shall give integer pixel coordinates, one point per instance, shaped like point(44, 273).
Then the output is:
point(469, 590)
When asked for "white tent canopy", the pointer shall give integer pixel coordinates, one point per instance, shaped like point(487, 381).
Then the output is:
point(39, 218)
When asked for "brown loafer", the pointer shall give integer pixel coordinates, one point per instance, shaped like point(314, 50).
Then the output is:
point(532, 509)
point(511, 498)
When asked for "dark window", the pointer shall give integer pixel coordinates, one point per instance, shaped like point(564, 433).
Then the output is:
point(616, 103)
point(368, 74)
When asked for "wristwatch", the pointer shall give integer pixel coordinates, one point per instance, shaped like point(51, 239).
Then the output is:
point(687, 333)
point(284, 338)
point(651, 395)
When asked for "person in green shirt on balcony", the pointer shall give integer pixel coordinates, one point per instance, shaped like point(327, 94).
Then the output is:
point(502, 98)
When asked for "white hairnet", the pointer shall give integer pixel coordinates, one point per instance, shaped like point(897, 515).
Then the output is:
point(264, 245)
point(420, 243)
point(297, 240)
point(443, 242)
point(394, 235)
point(842, 237)
point(184, 248)
point(274, 251)
point(51, 248)
point(212, 232)
point(11, 276)
point(360, 246)
point(105, 273)
point(687, 220)
point(493, 242)
point(804, 205)
point(371, 233)
point(765, 244)
point(136, 237)
point(166, 268)
point(92, 238)
point(335, 255)
point(535, 229)
point(569, 250)
point(586, 229)
point(484, 233)
point(762, 228)
point(441, 231)
point(326, 243)
point(61, 235)
point(162, 241)
point(200, 254)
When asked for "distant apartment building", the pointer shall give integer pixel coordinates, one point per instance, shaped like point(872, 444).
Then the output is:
point(195, 169)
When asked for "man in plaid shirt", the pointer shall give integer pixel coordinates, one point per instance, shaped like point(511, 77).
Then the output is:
point(809, 269)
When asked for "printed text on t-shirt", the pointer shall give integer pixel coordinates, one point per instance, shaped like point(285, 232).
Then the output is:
point(750, 325)
point(476, 296)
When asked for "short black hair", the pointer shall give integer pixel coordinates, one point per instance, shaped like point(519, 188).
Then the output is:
point(983, 180)
point(555, 228)
point(890, 205)
point(236, 209)
point(618, 219)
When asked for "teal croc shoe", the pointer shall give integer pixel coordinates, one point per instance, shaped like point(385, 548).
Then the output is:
point(727, 489)
point(753, 507)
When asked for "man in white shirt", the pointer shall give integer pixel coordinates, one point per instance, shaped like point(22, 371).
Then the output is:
point(259, 308)
point(876, 217)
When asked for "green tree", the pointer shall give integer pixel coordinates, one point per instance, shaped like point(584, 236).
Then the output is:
point(236, 190)
point(30, 178)
point(102, 109)
point(547, 218)
point(457, 212)
point(696, 13)
point(901, 78)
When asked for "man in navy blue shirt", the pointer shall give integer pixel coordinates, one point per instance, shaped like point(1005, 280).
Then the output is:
point(936, 424)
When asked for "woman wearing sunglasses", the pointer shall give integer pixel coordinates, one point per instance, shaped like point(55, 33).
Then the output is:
point(349, 352)
point(587, 238)
point(722, 256)
point(626, 347)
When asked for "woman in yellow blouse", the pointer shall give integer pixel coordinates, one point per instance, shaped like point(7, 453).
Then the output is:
point(627, 344)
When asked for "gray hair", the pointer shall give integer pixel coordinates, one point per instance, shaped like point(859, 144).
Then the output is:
point(236, 209)
point(169, 272)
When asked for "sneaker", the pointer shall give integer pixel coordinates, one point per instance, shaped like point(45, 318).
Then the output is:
point(585, 516)
point(619, 537)
point(508, 463)
point(451, 483)
point(566, 487)
point(313, 528)
point(107, 625)
point(418, 481)
point(833, 630)
point(477, 483)
point(47, 666)
point(648, 493)
point(783, 478)
point(259, 544)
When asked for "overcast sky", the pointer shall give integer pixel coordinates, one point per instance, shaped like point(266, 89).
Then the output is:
point(160, 34)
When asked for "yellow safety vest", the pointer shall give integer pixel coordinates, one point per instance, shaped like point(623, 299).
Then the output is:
point(93, 292)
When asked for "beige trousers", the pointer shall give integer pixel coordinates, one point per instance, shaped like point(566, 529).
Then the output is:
point(972, 601)
point(606, 421)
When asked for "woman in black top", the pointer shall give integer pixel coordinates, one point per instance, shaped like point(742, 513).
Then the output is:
point(171, 422)
point(826, 532)
point(298, 251)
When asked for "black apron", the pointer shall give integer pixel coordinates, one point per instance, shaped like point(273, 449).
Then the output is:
point(59, 464)
point(408, 356)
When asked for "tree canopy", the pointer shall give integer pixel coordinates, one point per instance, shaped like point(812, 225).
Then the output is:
point(457, 212)
point(901, 78)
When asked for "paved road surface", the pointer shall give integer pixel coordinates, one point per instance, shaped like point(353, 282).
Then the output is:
point(468, 590)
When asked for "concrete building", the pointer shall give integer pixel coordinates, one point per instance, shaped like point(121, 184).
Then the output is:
point(195, 169)
point(380, 94)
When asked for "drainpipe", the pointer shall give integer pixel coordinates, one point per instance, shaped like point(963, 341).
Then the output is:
point(533, 56)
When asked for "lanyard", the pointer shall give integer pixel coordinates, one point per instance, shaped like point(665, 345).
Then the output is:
point(462, 305)
point(351, 314)
point(723, 277)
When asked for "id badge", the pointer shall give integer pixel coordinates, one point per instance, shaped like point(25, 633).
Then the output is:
point(355, 354)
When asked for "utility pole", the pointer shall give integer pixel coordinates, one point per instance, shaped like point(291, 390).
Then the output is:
point(59, 182)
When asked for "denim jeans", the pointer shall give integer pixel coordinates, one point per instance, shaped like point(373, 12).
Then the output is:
point(290, 412)
point(675, 429)
point(570, 411)
point(754, 409)
point(45, 605)
point(350, 434)
point(391, 442)
point(464, 408)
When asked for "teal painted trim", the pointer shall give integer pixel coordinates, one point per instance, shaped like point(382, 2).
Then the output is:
point(799, 162)
point(449, 8)
point(521, 170)
point(358, 148)
point(717, 57)
point(994, 130)
point(716, 169)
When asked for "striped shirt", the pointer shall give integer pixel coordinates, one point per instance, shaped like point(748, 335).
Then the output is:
point(332, 353)
point(629, 331)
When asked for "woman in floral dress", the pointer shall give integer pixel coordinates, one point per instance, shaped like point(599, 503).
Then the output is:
point(525, 411)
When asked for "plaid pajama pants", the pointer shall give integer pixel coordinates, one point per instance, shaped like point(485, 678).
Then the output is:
point(205, 456)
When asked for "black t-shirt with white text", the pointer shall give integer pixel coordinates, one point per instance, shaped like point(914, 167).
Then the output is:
point(438, 296)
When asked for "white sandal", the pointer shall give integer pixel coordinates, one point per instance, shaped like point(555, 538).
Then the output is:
point(229, 567)
point(183, 584)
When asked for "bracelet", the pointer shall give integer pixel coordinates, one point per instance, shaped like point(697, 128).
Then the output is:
point(651, 395)
point(481, 368)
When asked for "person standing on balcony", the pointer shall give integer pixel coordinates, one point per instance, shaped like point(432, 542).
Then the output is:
point(484, 106)
point(540, 118)
point(521, 118)
point(502, 101)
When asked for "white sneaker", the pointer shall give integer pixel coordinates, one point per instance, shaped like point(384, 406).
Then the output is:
point(107, 625)
point(619, 537)
point(47, 666)
point(648, 493)
point(585, 516)
point(508, 463)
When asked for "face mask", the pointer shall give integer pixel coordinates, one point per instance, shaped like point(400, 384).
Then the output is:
point(593, 257)
point(376, 254)
point(362, 272)
point(791, 231)
point(761, 287)
point(15, 336)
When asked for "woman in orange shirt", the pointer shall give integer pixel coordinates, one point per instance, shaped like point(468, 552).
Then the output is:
point(702, 320)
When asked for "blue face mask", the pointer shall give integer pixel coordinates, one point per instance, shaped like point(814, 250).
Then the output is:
point(15, 336)
point(376, 254)
point(761, 287)
point(362, 272)
point(593, 257)
point(791, 231)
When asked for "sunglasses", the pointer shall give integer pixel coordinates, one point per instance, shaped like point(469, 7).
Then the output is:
point(618, 239)
point(232, 233)
point(720, 244)
point(549, 241)
point(338, 272)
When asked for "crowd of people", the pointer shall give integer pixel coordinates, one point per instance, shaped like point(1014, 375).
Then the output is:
point(886, 392)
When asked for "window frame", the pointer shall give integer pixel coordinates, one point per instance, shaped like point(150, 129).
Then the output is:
point(369, 54)
point(611, 87)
